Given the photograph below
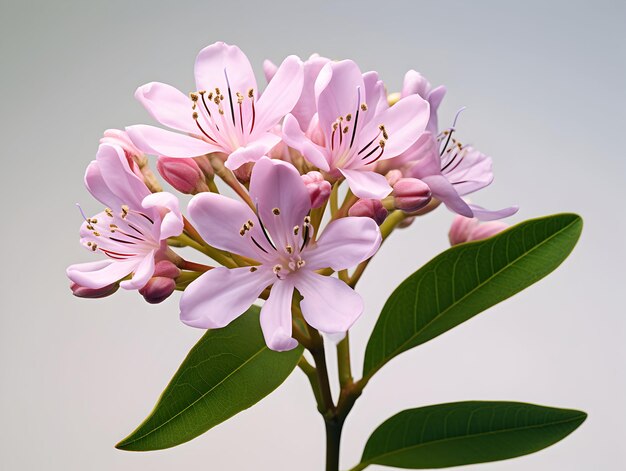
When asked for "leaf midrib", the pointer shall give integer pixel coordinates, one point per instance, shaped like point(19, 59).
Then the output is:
point(477, 435)
point(151, 431)
point(400, 348)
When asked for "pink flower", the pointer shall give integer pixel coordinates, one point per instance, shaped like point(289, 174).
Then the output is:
point(280, 237)
point(225, 115)
point(452, 170)
point(131, 231)
point(416, 84)
point(354, 127)
point(469, 229)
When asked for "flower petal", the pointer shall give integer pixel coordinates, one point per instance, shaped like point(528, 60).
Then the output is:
point(294, 137)
point(344, 243)
point(281, 94)
point(217, 60)
point(336, 89)
point(118, 176)
point(276, 317)
point(141, 274)
point(425, 157)
point(221, 295)
point(404, 122)
point(219, 220)
point(443, 190)
point(483, 214)
point(367, 184)
point(306, 106)
point(172, 221)
point(253, 151)
point(375, 95)
point(329, 304)
point(471, 172)
point(98, 187)
point(277, 185)
point(434, 98)
point(167, 105)
point(99, 274)
point(157, 141)
point(269, 69)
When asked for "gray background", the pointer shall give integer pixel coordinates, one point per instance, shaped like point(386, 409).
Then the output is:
point(544, 87)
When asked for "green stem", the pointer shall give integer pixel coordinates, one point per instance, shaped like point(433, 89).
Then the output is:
point(343, 361)
point(334, 427)
point(311, 374)
point(334, 198)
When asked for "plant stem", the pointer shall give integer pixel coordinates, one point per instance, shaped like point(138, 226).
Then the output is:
point(334, 427)
point(343, 361)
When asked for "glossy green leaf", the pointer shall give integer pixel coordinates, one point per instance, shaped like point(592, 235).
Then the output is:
point(467, 279)
point(463, 433)
point(227, 371)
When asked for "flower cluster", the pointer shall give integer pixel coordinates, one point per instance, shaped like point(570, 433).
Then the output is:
point(266, 169)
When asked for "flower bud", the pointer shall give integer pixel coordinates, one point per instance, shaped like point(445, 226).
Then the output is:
point(393, 176)
point(166, 269)
point(410, 194)
point(158, 289)
point(370, 209)
point(318, 187)
point(184, 174)
point(84, 292)
point(469, 229)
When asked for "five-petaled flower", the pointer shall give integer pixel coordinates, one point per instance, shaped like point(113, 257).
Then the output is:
point(226, 115)
point(354, 127)
point(277, 236)
point(132, 230)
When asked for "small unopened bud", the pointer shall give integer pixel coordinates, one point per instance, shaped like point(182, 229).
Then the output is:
point(393, 176)
point(469, 229)
point(84, 292)
point(369, 208)
point(184, 174)
point(318, 187)
point(244, 172)
point(158, 289)
point(166, 269)
point(410, 194)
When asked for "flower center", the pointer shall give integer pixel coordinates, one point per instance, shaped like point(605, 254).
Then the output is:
point(343, 134)
point(451, 150)
point(225, 127)
point(285, 250)
point(120, 235)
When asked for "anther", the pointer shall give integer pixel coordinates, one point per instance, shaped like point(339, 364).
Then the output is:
point(300, 263)
point(277, 269)
point(289, 249)
point(253, 269)
point(363, 107)
point(348, 117)
point(296, 229)
point(125, 210)
point(194, 115)
point(307, 219)
point(251, 93)
point(194, 97)
point(276, 211)
point(108, 212)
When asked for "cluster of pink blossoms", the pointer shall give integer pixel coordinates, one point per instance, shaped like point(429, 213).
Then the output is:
point(283, 154)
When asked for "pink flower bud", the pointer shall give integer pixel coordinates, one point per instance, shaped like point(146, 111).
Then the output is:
point(393, 176)
point(184, 174)
point(84, 292)
point(410, 194)
point(158, 289)
point(370, 209)
point(469, 229)
point(166, 269)
point(319, 189)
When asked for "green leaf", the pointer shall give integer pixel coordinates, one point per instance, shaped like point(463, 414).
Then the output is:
point(227, 371)
point(462, 433)
point(467, 279)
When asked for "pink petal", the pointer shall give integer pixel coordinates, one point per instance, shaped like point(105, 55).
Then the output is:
point(483, 214)
point(141, 274)
point(329, 304)
point(219, 220)
point(172, 221)
point(156, 141)
point(167, 105)
point(221, 295)
point(425, 155)
point(294, 137)
point(99, 274)
point(367, 184)
point(488, 229)
point(336, 89)
point(471, 173)
point(461, 229)
point(253, 151)
point(277, 185)
point(434, 98)
point(119, 177)
point(344, 243)
point(375, 94)
point(269, 69)
point(211, 63)
point(405, 122)
point(97, 186)
point(443, 190)
point(281, 94)
point(276, 317)
point(306, 106)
